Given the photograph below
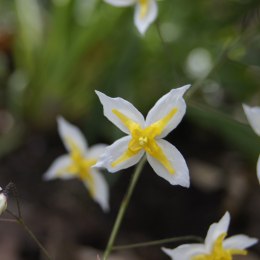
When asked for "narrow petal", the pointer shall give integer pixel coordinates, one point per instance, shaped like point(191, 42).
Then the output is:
point(121, 2)
point(100, 191)
point(124, 107)
point(169, 103)
point(185, 252)
point(71, 135)
point(145, 13)
point(253, 117)
point(258, 168)
point(115, 151)
point(58, 169)
point(95, 151)
point(181, 172)
point(239, 242)
point(217, 229)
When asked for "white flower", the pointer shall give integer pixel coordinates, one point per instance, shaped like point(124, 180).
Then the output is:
point(145, 136)
point(253, 116)
point(145, 11)
point(3, 201)
point(78, 163)
point(215, 246)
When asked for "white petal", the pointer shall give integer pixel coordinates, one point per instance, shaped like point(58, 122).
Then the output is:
point(239, 242)
point(70, 133)
point(120, 2)
point(95, 151)
point(181, 175)
point(258, 168)
point(185, 252)
point(56, 170)
point(173, 99)
point(122, 106)
point(253, 116)
point(217, 229)
point(142, 21)
point(3, 203)
point(113, 152)
point(101, 192)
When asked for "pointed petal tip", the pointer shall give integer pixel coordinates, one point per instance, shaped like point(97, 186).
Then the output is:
point(97, 165)
point(167, 251)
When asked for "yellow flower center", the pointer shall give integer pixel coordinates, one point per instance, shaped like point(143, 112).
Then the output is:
point(143, 8)
point(145, 138)
point(220, 253)
point(80, 166)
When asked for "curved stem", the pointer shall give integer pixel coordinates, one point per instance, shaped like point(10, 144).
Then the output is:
point(123, 208)
point(20, 221)
point(158, 242)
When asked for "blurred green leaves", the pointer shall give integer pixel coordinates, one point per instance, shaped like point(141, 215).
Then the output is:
point(64, 49)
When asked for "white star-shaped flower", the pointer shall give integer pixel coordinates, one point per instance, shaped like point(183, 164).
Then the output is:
point(145, 136)
point(215, 246)
point(145, 11)
point(78, 163)
point(253, 116)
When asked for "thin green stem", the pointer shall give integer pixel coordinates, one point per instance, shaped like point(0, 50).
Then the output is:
point(20, 221)
point(8, 220)
point(30, 233)
point(123, 208)
point(159, 242)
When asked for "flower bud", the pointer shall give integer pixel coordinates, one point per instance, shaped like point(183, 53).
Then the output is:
point(3, 201)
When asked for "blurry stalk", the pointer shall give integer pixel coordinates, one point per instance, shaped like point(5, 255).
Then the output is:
point(123, 208)
point(19, 219)
point(159, 242)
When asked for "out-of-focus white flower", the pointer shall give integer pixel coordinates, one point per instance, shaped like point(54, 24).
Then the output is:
point(3, 201)
point(145, 136)
point(78, 163)
point(253, 117)
point(216, 247)
point(145, 11)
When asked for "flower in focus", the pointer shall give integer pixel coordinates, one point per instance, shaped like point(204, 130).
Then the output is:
point(253, 117)
point(145, 136)
point(78, 163)
point(3, 201)
point(216, 247)
point(145, 11)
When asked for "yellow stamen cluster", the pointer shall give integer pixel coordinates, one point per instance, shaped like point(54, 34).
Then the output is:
point(145, 139)
point(219, 252)
point(80, 166)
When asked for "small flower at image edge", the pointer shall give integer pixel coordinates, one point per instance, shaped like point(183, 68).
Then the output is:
point(145, 136)
point(3, 201)
point(78, 163)
point(216, 245)
point(253, 117)
point(145, 11)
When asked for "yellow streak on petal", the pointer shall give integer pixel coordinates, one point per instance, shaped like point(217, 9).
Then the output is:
point(145, 139)
point(128, 122)
point(143, 8)
point(124, 157)
point(160, 125)
point(219, 252)
point(156, 151)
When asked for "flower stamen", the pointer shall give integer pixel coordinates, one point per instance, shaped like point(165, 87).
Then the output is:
point(144, 138)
